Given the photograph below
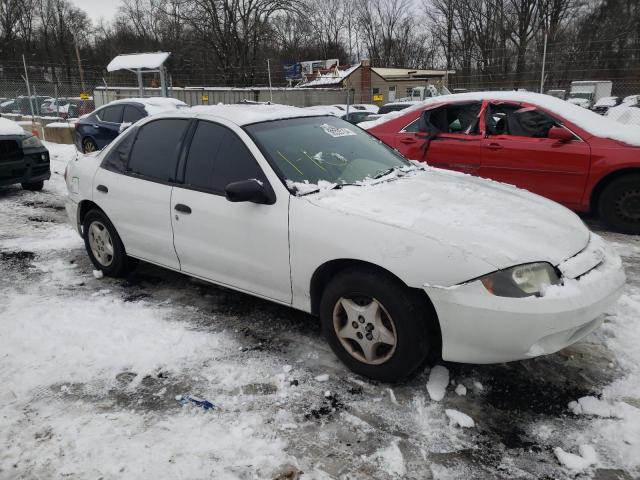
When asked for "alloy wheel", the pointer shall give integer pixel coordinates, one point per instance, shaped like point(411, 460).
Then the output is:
point(365, 329)
point(101, 243)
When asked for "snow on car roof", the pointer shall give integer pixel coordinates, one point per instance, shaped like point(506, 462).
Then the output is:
point(138, 60)
point(589, 121)
point(153, 105)
point(7, 127)
point(246, 114)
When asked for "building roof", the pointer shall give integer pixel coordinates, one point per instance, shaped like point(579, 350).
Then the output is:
point(407, 73)
point(330, 79)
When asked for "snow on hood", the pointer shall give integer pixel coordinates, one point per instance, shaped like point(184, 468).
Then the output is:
point(625, 114)
point(7, 127)
point(492, 221)
point(589, 121)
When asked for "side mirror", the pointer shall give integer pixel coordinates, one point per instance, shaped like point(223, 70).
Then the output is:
point(252, 190)
point(560, 134)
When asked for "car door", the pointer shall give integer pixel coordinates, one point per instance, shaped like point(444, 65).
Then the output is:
point(108, 126)
point(453, 140)
point(243, 245)
point(133, 186)
point(517, 150)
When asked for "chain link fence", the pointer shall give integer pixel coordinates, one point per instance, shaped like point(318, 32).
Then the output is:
point(54, 94)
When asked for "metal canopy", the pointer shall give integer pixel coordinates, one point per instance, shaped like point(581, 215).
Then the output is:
point(140, 63)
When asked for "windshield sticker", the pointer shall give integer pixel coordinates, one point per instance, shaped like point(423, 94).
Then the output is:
point(337, 132)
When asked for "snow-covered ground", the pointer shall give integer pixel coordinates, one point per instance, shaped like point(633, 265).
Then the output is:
point(91, 369)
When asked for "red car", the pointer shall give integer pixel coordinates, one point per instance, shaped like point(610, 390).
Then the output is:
point(537, 142)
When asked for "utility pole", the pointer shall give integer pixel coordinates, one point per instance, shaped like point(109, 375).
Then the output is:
point(544, 61)
point(269, 72)
point(75, 41)
point(26, 80)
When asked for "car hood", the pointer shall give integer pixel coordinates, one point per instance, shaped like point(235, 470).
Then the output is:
point(495, 222)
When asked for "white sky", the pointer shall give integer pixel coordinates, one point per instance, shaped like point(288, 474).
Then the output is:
point(98, 8)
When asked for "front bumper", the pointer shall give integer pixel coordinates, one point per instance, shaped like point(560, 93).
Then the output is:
point(32, 166)
point(478, 327)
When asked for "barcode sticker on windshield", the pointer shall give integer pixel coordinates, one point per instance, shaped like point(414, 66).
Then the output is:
point(336, 132)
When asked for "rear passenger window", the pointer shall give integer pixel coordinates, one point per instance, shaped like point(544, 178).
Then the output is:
point(112, 114)
point(218, 157)
point(132, 114)
point(156, 149)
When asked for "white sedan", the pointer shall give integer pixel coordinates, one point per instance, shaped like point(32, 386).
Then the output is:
point(402, 263)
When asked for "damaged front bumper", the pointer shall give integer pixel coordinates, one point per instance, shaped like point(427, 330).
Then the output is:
point(478, 327)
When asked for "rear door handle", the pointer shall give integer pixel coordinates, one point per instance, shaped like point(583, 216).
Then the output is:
point(182, 208)
point(494, 146)
point(408, 140)
point(102, 188)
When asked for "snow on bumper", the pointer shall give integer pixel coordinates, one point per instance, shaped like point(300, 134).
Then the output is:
point(478, 327)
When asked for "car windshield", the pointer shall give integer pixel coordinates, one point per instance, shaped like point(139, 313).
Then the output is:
point(317, 149)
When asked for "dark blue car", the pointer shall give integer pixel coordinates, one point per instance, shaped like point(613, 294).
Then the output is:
point(100, 128)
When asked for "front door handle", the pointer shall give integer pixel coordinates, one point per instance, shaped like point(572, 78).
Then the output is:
point(494, 146)
point(102, 188)
point(408, 140)
point(182, 208)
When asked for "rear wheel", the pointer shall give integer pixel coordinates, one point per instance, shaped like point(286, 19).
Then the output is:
point(34, 187)
point(104, 246)
point(619, 204)
point(88, 146)
point(376, 325)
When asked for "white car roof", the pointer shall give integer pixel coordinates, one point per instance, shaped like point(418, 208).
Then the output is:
point(247, 114)
point(152, 105)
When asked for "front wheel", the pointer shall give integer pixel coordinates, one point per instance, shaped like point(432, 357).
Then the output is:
point(89, 146)
point(104, 246)
point(619, 204)
point(377, 326)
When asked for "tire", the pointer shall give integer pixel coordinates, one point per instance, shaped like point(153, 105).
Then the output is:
point(88, 145)
point(405, 314)
point(104, 246)
point(619, 204)
point(33, 187)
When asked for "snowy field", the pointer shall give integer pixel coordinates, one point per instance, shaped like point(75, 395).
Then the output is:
point(91, 369)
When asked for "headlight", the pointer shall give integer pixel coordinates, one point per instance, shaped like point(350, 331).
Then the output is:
point(31, 142)
point(521, 281)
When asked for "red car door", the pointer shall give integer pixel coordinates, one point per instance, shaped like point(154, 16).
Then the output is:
point(517, 150)
point(455, 140)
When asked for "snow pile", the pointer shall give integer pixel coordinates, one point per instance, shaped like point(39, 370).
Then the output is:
point(460, 419)
point(437, 383)
point(577, 463)
point(391, 460)
point(8, 127)
point(594, 406)
point(589, 121)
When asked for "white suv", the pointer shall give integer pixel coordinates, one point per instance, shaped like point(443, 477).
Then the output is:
point(400, 262)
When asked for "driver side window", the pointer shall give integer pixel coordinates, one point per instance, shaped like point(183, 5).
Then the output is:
point(218, 157)
point(458, 118)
